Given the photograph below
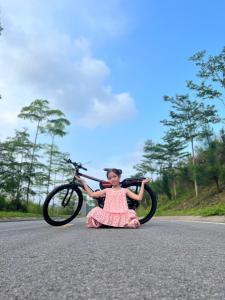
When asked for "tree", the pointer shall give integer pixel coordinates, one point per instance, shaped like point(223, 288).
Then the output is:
point(209, 116)
point(221, 154)
point(212, 73)
point(186, 123)
point(147, 164)
point(14, 154)
point(55, 127)
point(211, 163)
point(162, 159)
point(151, 160)
point(62, 171)
point(173, 154)
point(23, 154)
point(7, 169)
point(39, 112)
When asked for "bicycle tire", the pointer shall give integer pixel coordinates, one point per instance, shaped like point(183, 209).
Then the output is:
point(69, 187)
point(152, 196)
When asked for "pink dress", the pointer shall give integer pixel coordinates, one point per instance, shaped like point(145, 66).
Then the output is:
point(114, 213)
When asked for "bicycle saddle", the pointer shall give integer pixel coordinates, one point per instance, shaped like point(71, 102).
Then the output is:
point(106, 169)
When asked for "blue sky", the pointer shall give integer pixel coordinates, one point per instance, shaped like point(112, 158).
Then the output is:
point(106, 65)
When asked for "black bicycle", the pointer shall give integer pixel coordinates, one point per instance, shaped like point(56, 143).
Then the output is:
point(64, 202)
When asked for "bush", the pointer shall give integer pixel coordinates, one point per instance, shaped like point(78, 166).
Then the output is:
point(17, 205)
point(3, 203)
point(34, 208)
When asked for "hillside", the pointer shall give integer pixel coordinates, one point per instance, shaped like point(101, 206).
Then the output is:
point(208, 203)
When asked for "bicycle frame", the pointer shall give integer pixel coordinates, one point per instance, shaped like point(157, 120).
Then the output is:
point(105, 184)
point(101, 181)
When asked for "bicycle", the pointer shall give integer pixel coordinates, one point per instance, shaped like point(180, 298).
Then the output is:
point(65, 201)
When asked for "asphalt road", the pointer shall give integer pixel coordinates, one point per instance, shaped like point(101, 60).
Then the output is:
point(159, 260)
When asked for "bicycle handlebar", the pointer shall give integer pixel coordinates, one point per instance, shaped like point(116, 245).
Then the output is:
point(75, 164)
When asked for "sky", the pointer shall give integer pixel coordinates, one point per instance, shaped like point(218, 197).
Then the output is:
point(106, 65)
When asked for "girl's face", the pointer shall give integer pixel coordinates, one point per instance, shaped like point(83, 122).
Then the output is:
point(113, 179)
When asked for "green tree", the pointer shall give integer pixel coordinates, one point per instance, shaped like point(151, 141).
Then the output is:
point(151, 162)
point(210, 163)
point(186, 123)
point(23, 155)
point(7, 169)
point(55, 127)
point(14, 154)
point(161, 159)
point(209, 116)
point(38, 112)
point(222, 153)
point(173, 154)
point(61, 171)
point(146, 165)
point(211, 71)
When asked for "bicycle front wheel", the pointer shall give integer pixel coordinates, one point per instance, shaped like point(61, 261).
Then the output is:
point(145, 208)
point(62, 205)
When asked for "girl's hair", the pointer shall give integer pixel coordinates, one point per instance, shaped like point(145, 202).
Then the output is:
point(118, 172)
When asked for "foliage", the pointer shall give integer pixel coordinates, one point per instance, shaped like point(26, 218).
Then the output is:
point(25, 173)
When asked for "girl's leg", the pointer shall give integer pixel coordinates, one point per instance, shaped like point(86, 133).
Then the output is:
point(134, 223)
point(91, 222)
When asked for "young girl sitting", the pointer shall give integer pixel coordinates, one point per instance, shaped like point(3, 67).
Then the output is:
point(115, 212)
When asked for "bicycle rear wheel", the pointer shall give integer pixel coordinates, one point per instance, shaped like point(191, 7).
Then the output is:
point(145, 208)
point(62, 205)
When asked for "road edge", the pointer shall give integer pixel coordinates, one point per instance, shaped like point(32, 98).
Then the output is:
point(214, 219)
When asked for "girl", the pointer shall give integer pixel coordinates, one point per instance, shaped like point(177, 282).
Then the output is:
point(115, 212)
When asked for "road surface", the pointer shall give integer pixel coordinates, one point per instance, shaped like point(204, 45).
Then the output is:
point(163, 259)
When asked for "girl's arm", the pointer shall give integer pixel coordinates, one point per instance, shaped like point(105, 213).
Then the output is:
point(92, 194)
point(138, 197)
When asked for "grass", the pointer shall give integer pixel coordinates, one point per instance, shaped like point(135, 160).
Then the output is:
point(208, 203)
point(215, 210)
point(17, 214)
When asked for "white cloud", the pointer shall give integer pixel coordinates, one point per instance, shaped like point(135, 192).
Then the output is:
point(118, 107)
point(41, 59)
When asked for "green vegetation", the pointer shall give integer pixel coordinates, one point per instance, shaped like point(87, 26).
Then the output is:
point(17, 214)
point(189, 164)
point(210, 203)
point(28, 169)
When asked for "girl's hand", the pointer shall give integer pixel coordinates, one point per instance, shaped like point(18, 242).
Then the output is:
point(146, 180)
point(79, 179)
